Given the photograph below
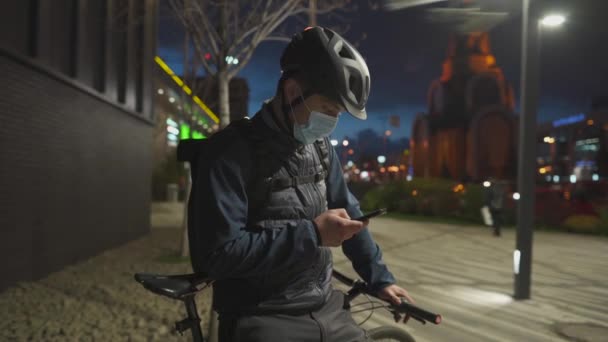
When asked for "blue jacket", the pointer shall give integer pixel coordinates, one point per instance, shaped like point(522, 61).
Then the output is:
point(273, 263)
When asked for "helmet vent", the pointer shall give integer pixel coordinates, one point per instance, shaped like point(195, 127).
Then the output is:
point(345, 53)
point(355, 87)
point(328, 33)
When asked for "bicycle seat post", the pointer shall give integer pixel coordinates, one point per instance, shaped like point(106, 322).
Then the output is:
point(193, 320)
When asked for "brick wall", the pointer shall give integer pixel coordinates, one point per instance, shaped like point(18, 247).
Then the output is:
point(75, 173)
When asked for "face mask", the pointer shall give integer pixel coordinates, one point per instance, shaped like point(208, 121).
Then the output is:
point(319, 126)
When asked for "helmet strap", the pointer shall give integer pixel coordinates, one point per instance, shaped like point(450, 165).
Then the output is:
point(287, 107)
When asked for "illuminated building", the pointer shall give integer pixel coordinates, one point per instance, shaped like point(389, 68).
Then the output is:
point(469, 131)
point(179, 113)
point(574, 148)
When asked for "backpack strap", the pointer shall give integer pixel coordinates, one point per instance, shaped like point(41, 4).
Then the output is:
point(268, 158)
point(322, 146)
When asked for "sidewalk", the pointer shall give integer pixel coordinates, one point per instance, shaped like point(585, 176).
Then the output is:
point(98, 299)
point(463, 273)
point(466, 274)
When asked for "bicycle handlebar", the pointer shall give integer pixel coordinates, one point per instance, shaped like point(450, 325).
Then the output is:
point(415, 312)
point(418, 313)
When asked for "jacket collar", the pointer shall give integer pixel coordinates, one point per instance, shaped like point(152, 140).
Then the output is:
point(267, 115)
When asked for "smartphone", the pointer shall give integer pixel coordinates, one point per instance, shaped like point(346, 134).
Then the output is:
point(370, 215)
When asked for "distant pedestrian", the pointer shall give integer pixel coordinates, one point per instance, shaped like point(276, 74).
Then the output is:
point(494, 198)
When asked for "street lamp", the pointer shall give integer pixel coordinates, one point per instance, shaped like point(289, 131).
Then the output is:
point(531, 26)
point(532, 23)
point(553, 20)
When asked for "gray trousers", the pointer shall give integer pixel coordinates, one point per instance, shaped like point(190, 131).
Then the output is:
point(330, 323)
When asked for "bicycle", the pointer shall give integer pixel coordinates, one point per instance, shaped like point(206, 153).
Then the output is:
point(184, 287)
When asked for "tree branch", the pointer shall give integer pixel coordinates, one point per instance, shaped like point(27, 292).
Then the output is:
point(277, 39)
point(207, 29)
point(184, 14)
point(201, 55)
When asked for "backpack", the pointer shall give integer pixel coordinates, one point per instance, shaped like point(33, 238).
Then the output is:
point(268, 158)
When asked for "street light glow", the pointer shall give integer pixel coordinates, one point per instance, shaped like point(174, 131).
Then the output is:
point(170, 122)
point(553, 20)
point(381, 159)
point(487, 184)
point(516, 196)
point(345, 143)
point(172, 130)
point(232, 60)
point(334, 142)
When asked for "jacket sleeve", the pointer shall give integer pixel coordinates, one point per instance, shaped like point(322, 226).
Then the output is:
point(221, 244)
point(363, 252)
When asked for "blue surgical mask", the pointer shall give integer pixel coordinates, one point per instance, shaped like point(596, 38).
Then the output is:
point(319, 126)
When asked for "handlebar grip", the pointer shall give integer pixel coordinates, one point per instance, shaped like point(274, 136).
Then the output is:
point(420, 313)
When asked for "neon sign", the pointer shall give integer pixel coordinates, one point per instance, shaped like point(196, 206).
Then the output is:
point(569, 120)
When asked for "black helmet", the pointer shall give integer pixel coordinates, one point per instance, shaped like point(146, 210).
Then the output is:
point(331, 66)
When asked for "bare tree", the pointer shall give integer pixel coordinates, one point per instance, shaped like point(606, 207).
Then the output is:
point(225, 33)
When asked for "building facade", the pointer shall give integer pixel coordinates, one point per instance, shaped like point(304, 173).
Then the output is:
point(574, 148)
point(179, 114)
point(76, 126)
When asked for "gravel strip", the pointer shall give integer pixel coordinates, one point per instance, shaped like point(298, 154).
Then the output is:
point(98, 299)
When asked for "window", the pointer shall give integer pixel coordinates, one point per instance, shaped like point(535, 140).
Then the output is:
point(119, 33)
point(15, 27)
point(138, 21)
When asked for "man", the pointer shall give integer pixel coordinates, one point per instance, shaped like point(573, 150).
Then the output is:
point(265, 211)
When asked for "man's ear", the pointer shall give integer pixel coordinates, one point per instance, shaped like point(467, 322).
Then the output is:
point(291, 90)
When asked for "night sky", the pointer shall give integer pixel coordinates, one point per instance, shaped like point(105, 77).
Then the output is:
point(404, 53)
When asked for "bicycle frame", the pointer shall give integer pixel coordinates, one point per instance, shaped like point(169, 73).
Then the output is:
point(185, 287)
point(192, 321)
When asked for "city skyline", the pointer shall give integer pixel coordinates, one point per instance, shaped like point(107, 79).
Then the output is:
point(401, 77)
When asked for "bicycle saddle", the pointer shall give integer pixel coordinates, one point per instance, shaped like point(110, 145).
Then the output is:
point(173, 286)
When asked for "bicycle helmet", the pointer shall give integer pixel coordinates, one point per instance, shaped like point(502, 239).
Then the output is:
point(331, 66)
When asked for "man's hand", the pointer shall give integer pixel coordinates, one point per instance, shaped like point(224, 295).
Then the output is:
point(393, 294)
point(335, 226)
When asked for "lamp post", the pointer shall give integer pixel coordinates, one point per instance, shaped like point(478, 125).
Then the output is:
point(531, 30)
